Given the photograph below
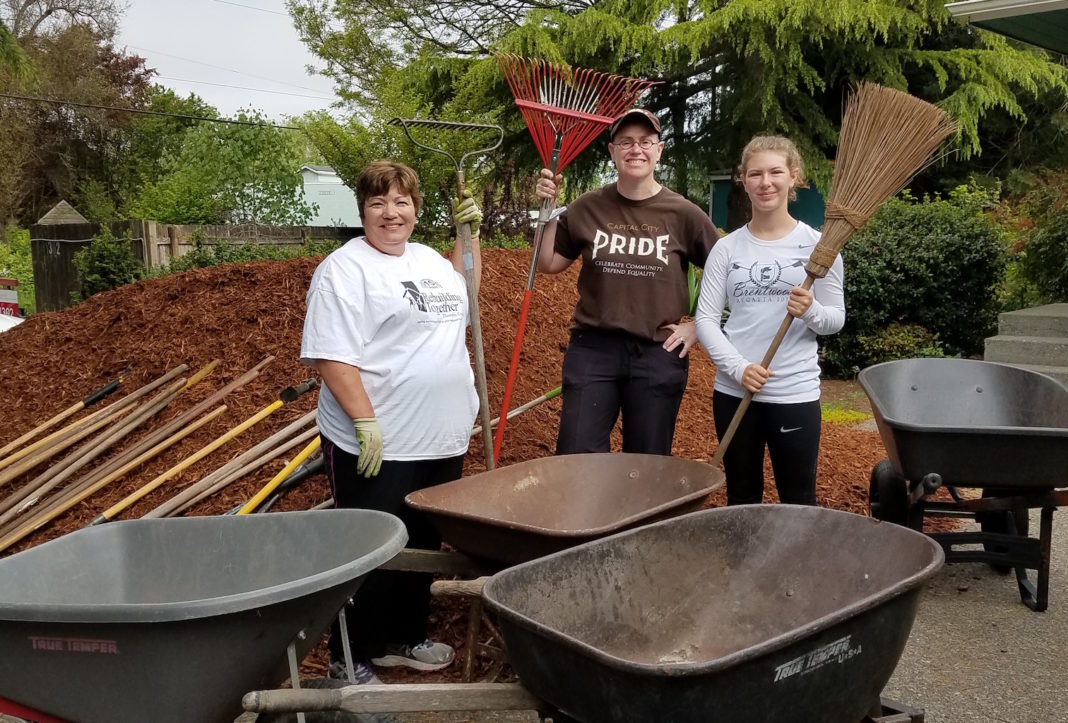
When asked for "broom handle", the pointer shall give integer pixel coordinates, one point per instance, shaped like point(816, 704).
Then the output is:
point(721, 449)
point(476, 325)
point(539, 234)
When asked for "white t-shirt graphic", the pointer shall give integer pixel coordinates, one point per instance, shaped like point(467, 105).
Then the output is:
point(753, 278)
point(401, 320)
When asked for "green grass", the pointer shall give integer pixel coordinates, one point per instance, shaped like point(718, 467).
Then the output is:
point(839, 413)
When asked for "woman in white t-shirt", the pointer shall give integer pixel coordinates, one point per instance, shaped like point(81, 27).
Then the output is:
point(386, 329)
point(756, 272)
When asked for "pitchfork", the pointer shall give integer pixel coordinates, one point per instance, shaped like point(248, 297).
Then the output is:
point(468, 252)
point(565, 109)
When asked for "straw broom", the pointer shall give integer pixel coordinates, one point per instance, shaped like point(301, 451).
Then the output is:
point(887, 137)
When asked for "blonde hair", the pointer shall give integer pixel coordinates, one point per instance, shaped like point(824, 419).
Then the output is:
point(784, 147)
point(377, 177)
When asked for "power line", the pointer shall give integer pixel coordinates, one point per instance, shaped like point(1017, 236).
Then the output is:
point(332, 26)
point(53, 101)
point(219, 67)
point(252, 7)
point(241, 87)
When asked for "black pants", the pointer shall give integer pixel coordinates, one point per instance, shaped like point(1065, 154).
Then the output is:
point(390, 607)
point(609, 372)
point(791, 433)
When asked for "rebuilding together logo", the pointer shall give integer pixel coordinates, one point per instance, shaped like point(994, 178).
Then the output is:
point(428, 301)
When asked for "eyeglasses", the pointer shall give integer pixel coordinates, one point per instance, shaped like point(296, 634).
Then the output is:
point(625, 144)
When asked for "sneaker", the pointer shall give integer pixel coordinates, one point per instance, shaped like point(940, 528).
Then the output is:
point(427, 655)
point(364, 674)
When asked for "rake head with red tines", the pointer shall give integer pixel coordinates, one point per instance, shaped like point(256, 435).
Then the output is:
point(567, 107)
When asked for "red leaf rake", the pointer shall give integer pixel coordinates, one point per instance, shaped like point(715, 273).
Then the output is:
point(565, 109)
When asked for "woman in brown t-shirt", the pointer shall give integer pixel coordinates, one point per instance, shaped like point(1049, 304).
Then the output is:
point(628, 339)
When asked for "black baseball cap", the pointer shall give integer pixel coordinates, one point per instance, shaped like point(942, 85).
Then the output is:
point(640, 115)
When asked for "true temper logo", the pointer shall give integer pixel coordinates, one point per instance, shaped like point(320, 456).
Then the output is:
point(837, 652)
point(642, 246)
point(74, 645)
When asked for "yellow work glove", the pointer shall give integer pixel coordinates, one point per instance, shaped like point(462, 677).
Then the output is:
point(369, 435)
point(465, 210)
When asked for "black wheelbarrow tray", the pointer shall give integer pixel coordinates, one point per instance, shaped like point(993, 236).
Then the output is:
point(743, 614)
point(527, 510)
point(967, 423)
point(176, 619)
point(974, 423)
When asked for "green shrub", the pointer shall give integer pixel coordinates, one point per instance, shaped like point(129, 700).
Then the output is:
point(106, 263)
point(933, 267)
point(203, 255)
point(898, 341)
point(16, 262)
point(1043, 263)
point(1035, 216)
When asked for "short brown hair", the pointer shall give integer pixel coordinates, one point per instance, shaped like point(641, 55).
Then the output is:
point(377, 177)
point(781, 145)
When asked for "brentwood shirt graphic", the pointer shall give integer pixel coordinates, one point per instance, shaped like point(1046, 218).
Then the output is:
point(635, 256)
point(765, 280)
point(753, 279)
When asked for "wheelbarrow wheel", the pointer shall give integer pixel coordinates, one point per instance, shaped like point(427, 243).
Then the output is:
point(326, 716)
point(1002, 522)
point(888, 494)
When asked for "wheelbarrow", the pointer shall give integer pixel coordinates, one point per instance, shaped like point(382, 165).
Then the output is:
point(751, 613)
point(530, 509)
point(959, 423)
point(176, 619)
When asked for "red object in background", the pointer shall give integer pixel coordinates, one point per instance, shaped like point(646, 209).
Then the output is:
point(9, 297)
point(10, 707)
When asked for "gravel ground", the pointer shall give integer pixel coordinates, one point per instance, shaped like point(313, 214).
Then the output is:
point(977, 655)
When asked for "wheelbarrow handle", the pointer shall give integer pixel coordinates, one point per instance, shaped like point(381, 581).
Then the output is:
point(291, 394)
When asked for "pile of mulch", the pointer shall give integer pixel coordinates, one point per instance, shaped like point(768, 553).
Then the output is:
point(244, 313)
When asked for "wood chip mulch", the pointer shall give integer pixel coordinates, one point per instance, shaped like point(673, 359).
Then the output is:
point(243, 313)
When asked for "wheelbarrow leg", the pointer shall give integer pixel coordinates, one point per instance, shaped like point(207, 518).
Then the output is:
point(346, 646)
point(294, 669)
point(474, 627)
point(1036, 596)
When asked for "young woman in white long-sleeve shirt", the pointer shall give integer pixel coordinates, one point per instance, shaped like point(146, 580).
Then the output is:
point(756, 272)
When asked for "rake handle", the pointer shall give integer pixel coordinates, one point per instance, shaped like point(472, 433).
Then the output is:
point(512, 367)
point(481, 386)
point(736, 420)
point(539, 235)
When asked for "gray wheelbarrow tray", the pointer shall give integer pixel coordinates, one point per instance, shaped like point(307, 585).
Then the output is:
point(974, 423)
point(743, 614)
point(176, 619)
point(527, 510)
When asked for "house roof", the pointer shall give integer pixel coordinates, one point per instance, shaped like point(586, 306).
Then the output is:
point(318, 169)
point(62, 213)
point(1043, 23)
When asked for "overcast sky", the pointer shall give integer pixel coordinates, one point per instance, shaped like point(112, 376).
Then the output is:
point(202, 46)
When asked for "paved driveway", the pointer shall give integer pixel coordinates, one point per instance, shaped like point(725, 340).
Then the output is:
point(977, 655)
